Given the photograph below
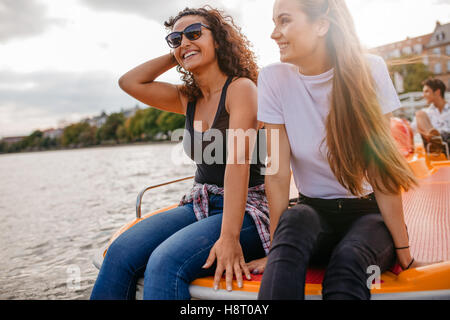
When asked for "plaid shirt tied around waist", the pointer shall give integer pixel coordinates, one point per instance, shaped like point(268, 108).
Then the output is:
point(257, 207)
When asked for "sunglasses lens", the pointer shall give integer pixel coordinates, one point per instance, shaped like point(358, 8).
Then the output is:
point(193, 32)
point(174, 39)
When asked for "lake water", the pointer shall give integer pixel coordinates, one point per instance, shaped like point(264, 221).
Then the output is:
point(58, 208)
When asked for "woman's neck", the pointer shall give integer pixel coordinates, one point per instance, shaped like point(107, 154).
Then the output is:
point(317, 63)
point(210, 80)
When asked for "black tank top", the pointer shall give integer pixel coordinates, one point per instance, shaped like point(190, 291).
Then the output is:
point(198, 145)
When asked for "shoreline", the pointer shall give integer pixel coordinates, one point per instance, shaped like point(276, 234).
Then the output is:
point(98, 146)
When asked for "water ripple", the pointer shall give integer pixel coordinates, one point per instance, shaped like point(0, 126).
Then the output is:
point(58, 208)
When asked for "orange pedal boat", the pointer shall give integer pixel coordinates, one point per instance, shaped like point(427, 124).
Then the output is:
point(427, 215)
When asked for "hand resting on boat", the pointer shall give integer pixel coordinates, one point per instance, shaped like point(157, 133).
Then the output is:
point(230, 259)
point(257, 266)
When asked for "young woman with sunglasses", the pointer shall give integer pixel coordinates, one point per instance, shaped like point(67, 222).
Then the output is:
point(224, 218)
point(329, 104)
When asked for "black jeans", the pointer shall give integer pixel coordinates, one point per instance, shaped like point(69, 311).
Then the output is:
point(345, 235)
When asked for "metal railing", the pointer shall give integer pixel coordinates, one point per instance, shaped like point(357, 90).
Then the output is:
point(415, 99)
point(141, 194)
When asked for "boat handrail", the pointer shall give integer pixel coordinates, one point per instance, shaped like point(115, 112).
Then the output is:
point(141, 194)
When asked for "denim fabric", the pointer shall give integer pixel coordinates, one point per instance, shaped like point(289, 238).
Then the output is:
point(169, 250)
point(344, 235)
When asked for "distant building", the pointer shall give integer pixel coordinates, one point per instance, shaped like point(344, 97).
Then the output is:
point(410, 46)
point(130, 112)
point(98, 121)
point(53, 133)
point(438, 50)
point(431, 49)
point(11, 140)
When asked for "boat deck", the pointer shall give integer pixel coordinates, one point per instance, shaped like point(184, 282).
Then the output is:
point(427, 215)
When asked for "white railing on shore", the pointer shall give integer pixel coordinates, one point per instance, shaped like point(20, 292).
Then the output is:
point(414, 101)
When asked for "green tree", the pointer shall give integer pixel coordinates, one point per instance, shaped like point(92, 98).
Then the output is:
point(109, 129)
point(15, 147)
point(87, 136)
point(45, 143)
point(413, 75)
point(135, 125)
point(3, 147)
point(78, 134)
point(168, 122)
point(31, 142)
point(121, 133)
point(150, 125)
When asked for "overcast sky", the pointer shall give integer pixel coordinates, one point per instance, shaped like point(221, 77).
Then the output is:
point(60, 59)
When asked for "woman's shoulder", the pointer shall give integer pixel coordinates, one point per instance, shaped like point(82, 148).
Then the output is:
point(278, 68)
point(241, 90)
point(375, 62)
point(379, 69)
point(241, 85)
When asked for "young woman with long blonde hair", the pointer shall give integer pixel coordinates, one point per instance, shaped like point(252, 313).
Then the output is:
point(330, 104)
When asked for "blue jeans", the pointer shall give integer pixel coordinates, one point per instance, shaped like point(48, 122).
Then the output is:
point(168, 250)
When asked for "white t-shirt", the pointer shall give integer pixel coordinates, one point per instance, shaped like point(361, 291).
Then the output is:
point(302, 104)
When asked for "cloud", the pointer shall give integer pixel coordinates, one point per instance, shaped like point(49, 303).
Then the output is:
point(401, 19)
point(159, 10)
point(40, 99)
point(23, 18)
point(438, 2)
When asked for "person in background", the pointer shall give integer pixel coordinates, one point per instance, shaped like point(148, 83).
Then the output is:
point(433, 122)
point(403, 135)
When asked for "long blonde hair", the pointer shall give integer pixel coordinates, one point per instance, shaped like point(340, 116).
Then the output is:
point(359, 141)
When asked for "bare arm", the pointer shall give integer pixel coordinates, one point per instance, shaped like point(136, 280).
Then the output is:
point(277, 182)
point(278, 178)
point(391, 208)
point(392, 211)
point(140, 83)
point(237, 172)
point(242, 105)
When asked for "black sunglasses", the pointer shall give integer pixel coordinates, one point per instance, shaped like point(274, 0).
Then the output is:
point(192, 32)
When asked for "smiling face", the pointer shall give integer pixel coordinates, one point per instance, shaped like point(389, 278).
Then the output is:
point(297, 37)
point(192, 55)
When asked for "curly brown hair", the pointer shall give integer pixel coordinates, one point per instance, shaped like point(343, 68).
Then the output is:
point(234, 56)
